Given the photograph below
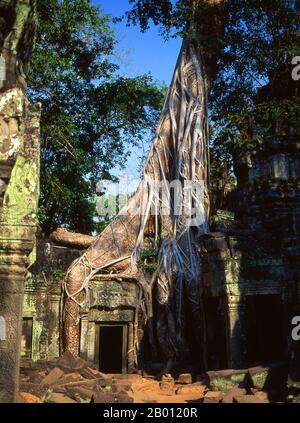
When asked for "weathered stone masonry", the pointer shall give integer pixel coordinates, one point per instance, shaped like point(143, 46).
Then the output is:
point(113, 302)
point(42, 301)
point(252, 267)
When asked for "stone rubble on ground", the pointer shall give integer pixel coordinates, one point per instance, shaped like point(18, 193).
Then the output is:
point(52, 377)
point(236, 391)
point(212, 397)
point(71, 380)
point(185, 378)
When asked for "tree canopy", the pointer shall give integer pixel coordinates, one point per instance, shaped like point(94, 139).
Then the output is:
point(254, 64)
point(90, 114)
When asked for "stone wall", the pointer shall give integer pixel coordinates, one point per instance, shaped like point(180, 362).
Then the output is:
point(42, 299)
point(111, 301)
point(251, 265)
point(268, 193)
point(237, 267)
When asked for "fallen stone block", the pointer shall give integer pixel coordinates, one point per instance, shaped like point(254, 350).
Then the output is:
point(59, 389)
point(91, 383)
point(167, 383)
point(120, 385)
point(35, 389)
point(145, 385)
point(69, 362)
point(268, 377)
point(70, 377)
point(106, 388)
point(27, 398)
point(167, 393)
point(38, 377)
point(185, 378)
point(166, 386)
point(223, 380)
point(57, 398)
point(111, 398)
point(212, 397)
point(77, 392)
point(195, 390)
point(52, 377)
point(87, 374)
point(249, 399)
point(258, 376)
point(261, 395)
point(96, 373)
point(233, 392)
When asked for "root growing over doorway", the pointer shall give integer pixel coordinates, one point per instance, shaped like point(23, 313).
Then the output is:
point(171, 298)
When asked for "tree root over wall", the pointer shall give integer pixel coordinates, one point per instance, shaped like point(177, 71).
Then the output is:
point(179, 153)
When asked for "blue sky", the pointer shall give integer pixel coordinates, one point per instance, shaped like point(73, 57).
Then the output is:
point(140, 53)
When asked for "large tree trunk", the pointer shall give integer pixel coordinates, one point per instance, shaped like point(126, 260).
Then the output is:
point(179, 153)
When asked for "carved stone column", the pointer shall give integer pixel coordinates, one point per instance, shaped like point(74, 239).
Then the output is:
point(236, 312)
point(19, 171)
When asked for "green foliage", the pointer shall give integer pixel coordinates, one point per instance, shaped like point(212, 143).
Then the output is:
point(83, 400)
point(251, 86)
point(58, 274)
point(90, 115)
point(47, 396)
point(148, 260)
point(145, 254)
point(108, 206)
point(266, 116)
point(259, 40)
point(149, 267)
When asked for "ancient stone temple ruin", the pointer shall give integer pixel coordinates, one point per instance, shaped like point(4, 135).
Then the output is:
point(107, 326)
point(250, 283)
point(251, 276)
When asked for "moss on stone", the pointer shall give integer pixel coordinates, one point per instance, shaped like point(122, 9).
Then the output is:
point(238, 378)
point(20, 200)
point(221, 382)
point(30, 310)
point(295, 385)
point(259, 379)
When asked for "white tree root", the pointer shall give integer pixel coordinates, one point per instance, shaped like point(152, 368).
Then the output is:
point(179, 152)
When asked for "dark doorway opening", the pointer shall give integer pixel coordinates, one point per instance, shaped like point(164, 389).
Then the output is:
point(266, 339)
point(216, 330)
point(26, 340)
point(112, 348)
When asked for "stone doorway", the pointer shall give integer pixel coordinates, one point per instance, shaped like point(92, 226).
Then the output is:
point(26, 340)
point(266, 339)
point(111, 347)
